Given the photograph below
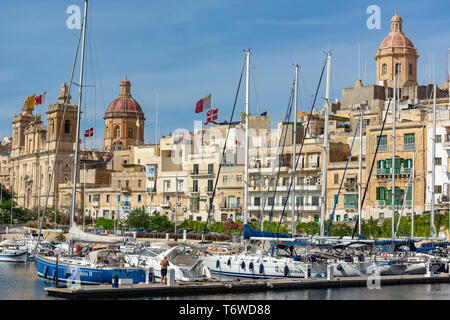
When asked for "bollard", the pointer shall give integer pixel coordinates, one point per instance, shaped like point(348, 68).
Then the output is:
point(167, 236)
point(148, 275)
point(171, 277)
point(330, 272)
point(307, 271)
point(430, 272)
point(134, 235)
point(184, 235)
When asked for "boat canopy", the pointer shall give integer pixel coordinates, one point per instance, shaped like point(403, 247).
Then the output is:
point(250, 232)
point(76, 234)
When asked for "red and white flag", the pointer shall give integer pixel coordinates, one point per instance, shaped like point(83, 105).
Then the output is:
point(203, 104)
point(89, 133)
point(237, 141)
point(41, 99)
point(211, 116)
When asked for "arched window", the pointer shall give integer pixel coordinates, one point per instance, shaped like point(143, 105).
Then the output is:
point(345, 217)
point(117, 132)
point(411, 69)
point(384, 69)
point(398, 68)
point(67, 126)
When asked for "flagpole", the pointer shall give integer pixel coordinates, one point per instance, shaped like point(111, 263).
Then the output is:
point(156, 127)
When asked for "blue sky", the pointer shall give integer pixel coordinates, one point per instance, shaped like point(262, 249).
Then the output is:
point(184, 50)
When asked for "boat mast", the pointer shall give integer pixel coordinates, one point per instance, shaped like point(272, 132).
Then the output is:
point(433, 174)
point(294, 150)
point(394, 112)
point(360, 172)
point(413, 193)
point(325, 148)
point(77, 137)
point(247, 113)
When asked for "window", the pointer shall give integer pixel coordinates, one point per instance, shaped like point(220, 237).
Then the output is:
point(199, 218)
point(211, 168)
point(238, 202)
point(224, 217)
point(316, 218)
point(67, 126)
point(195, 168)
point(257, 201)
point(238, 178)
point(381, 215)
point(119, 184)
point(107, 198)
point(90, 198)
point(225, 179)
point(437, 161)
point(384, 69)
point(409, 141)
point(195, 185)
point(130, 132)
point(284, 201)
point(336, 178)
point(382, 143)
point(210, 185)
point(299, 201)
point(191, 217)
point(411, 70)
point(315, 201)
point(345, 217)
point(139, 183)
point(117, 132)
point(398, 68)
point(437, 189)
point(139, 198)
point(232, 202)
point(338, 218)
point(270, 201)
point(438, 138)
point(127, 183)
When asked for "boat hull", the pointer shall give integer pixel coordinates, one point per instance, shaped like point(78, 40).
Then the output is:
point(14, 256)
point(74, 273)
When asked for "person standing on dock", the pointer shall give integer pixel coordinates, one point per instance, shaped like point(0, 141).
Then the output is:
point(164, 264)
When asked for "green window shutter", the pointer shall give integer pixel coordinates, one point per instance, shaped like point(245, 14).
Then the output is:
point(336, 199)
point(409, 194)
point(378, 193)
point(378, 164)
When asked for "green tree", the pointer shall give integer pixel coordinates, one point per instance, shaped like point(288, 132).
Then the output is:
point(159, 222)
point(138, 218)
point(105, 224)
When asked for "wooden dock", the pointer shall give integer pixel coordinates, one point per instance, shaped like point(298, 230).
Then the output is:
point(193, 288)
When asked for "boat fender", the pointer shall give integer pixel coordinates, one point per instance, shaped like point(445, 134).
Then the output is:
point(339, 267)
point(286, 270)
point(45, 273)
point(261, 268)
point(217, 264)
point(250, 266)
point(243, 265)
point(229, 262)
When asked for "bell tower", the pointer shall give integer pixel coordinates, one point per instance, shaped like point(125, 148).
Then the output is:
point(397, 56)
point(56, 124)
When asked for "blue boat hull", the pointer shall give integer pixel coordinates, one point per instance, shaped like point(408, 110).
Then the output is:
point(85, 275)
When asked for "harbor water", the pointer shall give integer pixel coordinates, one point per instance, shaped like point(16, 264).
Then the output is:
point(19, 281)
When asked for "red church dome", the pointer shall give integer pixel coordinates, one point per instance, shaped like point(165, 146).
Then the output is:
point(125, 102)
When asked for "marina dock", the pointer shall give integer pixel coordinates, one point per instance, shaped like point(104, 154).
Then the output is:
point(193, 288)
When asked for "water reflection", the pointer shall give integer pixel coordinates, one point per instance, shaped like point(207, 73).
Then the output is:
point(19, 281)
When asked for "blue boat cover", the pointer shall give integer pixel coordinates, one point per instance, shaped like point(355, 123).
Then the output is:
point(250, 232)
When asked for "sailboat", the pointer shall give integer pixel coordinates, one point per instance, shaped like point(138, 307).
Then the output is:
point(98, 267)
